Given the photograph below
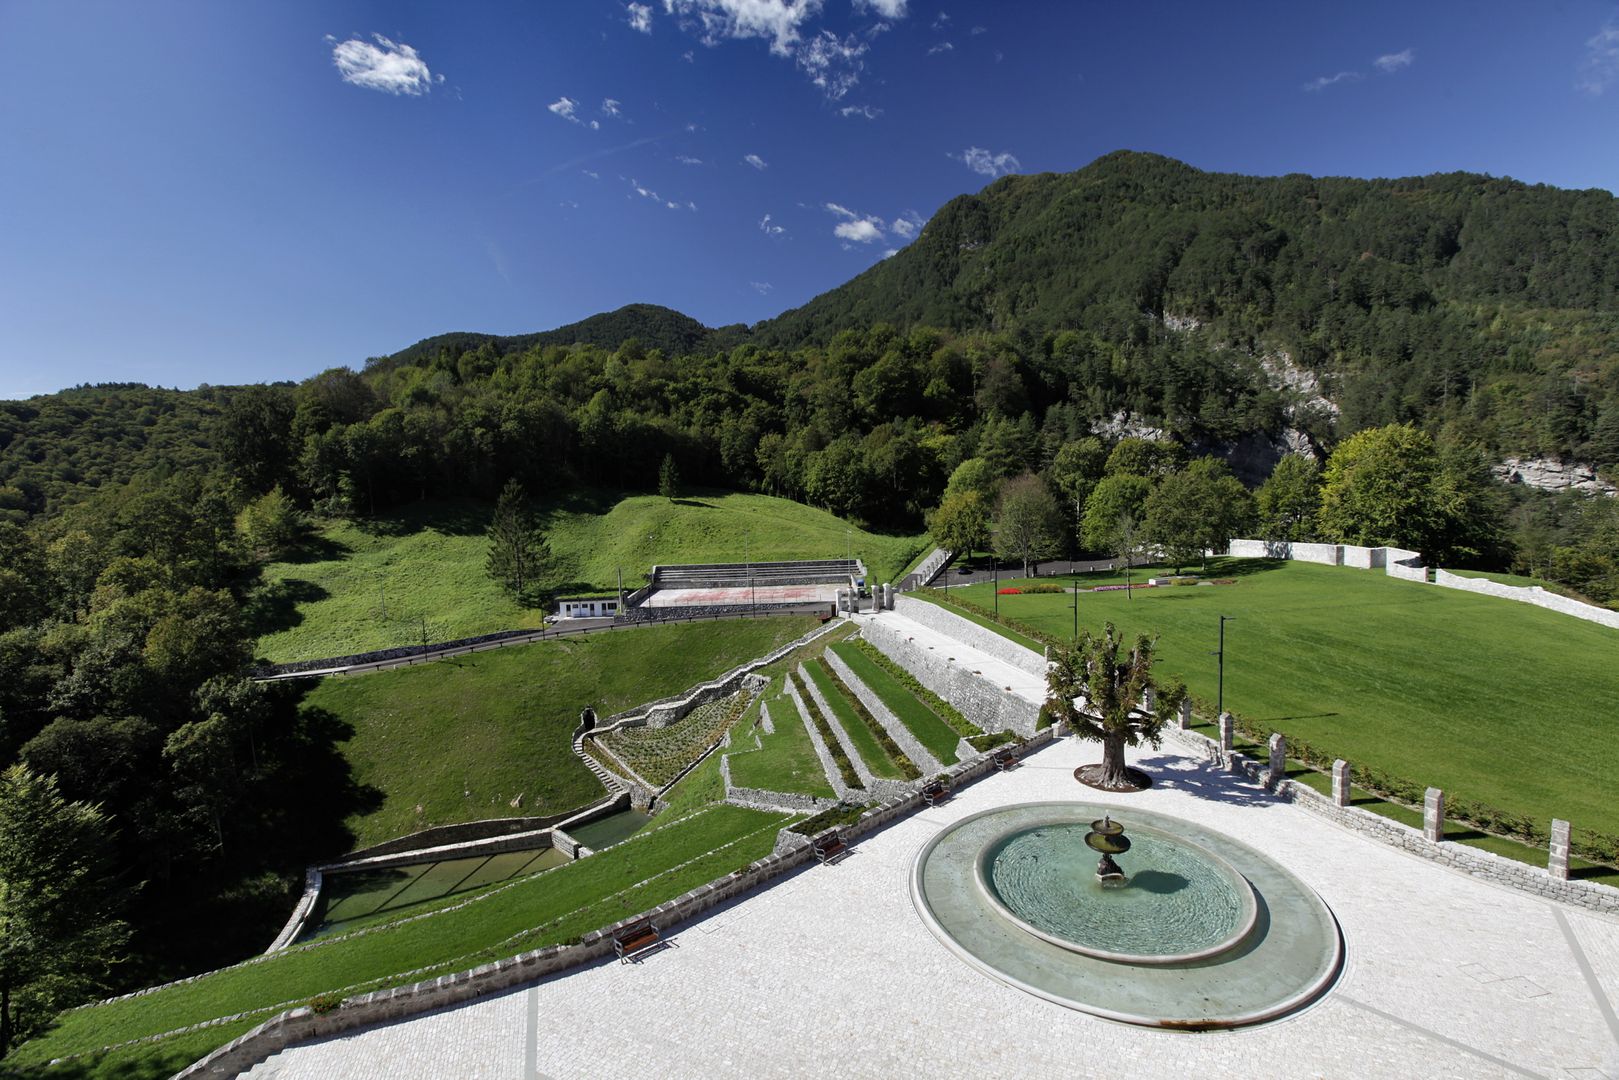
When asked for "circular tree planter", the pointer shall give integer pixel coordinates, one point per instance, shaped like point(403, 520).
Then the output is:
point(1134, 779)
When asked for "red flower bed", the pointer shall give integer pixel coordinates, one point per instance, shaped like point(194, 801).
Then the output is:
point(1010, 592)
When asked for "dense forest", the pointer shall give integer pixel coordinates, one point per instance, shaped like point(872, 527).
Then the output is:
point(1129, 338)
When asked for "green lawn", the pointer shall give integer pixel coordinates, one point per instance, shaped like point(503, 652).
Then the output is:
point(784, 760)
point(549, 908)
point(424, 564)
point(932, 732)
point(489, 735)
point(865, 743)
point(1494, 701)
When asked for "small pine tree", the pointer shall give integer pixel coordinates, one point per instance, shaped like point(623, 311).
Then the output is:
point(668, 478)
point(518, 556)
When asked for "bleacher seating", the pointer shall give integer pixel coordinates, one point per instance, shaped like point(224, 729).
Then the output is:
point(739, 575)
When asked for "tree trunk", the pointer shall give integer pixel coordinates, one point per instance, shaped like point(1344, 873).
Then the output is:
point(1113, 761)
point(5, 1020)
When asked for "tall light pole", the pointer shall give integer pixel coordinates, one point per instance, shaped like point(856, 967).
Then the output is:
point(996, 563)
point(1073, 583)
point(1219, 695)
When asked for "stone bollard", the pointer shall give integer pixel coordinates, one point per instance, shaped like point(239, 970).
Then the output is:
point(1433, 814)
point(1278, 760)
point(1228, 732)
point(1186, 714)
point(1149, 699)
point(1557, 854)
point(1340, 782)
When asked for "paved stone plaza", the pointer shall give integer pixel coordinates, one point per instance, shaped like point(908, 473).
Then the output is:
point(831, 972)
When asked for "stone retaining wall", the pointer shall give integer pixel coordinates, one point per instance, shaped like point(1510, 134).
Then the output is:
point(892, 724)
point(1532, 594)
point(989, 706)
point(968, 632)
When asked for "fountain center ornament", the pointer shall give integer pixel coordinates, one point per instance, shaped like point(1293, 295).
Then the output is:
point(1107, 837)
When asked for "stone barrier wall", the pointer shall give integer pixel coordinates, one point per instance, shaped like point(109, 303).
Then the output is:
point(991, 707)
point(1469, 860)
point(968, 632)
point(1364, 558)
point(1532, 594)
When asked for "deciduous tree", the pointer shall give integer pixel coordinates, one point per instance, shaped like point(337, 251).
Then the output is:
point(1028, 522)
point(1112, 688)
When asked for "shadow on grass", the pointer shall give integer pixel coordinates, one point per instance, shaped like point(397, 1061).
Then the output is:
point(275, 606)
point(315, 547)
point(462, 517)
point(694, 502)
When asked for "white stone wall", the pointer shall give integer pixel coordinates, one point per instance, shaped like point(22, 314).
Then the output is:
point(991, 707)
point(970, 633)
point(1363, 558)
point(1531, 594)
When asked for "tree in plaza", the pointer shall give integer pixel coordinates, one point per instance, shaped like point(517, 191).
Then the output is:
point(59, 933)
point(1028, 521)
point(1117, 497)
point(518, 556)
point(1290, 499)
point(1113, 687)
point(960, 524)
point(669, 478)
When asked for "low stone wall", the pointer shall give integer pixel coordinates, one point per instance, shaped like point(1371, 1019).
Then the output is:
point(1364, 558)
point(1469, 860)
point(1401, 563)
point(1531, 594)
point(465, 833)
point(989, 706)
point(968, 632)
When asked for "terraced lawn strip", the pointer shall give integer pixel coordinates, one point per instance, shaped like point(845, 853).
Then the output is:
point(936, 704)
point(860, 729)
point(932, 732)
point(651, 867)
point(785, 759)
point(840, 756)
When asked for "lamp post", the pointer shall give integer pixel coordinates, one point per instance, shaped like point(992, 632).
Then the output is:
point(1073, 583)
point(995, 562)
point(1219, 695)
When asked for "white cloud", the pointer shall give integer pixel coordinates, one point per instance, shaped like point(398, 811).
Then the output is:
point(1601, 65)
point(640, 17)
point(1392, 62)
point(861, 110)
point(564, 107)
point(1325, 81)
point(592, 175)
point(832, 63)
point(982, 161)
point(756, 161)
point(686, 160)
point(648, 193)
point(381, 64)
point(890, 253)
point(941, 47)
point(761, 287)
point(769, 228)
point(979, 30)
point(610, 106)
point(942, 23)
point(854, 228)
point(907, 224)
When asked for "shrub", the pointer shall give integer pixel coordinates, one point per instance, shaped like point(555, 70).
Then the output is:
point(321, 1004)
point(844, 813)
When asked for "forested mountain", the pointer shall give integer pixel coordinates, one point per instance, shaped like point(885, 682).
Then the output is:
point(655, 327)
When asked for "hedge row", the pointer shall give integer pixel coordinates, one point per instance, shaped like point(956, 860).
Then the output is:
point(907, 767)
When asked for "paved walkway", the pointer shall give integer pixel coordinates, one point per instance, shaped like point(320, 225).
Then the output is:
point(832, 972)
point(999, 672)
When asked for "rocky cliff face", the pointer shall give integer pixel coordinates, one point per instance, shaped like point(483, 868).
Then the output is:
point(1550, 474)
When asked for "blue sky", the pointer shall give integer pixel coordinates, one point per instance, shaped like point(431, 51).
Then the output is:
point(215, 192)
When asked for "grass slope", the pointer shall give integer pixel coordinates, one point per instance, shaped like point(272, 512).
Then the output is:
point(546, 909)
point(784, 760)
point(932, 732)
point(459, 740)
point(1494, 701)
point(425, 563)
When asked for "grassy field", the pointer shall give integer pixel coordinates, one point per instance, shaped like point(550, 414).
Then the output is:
point(548, 908)
point(1494, 701)
point(488, 735)
point(784, 760)
point(932, 732)
point(418, 572)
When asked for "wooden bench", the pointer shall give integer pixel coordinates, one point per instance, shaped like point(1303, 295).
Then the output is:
point(829, 847)
point(635, 939)
point(935, 792)
point(1006, 757)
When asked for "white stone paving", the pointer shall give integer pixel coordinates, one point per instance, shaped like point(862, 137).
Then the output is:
point(831, 971)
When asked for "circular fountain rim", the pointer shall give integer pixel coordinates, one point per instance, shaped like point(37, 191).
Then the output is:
point(1302, 997)
point(1240, 885)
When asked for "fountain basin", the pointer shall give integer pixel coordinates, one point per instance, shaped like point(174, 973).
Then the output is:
point(1288, 958)
point(1180, 902)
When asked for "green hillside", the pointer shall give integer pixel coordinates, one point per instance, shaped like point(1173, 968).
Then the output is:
point(425, 564)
